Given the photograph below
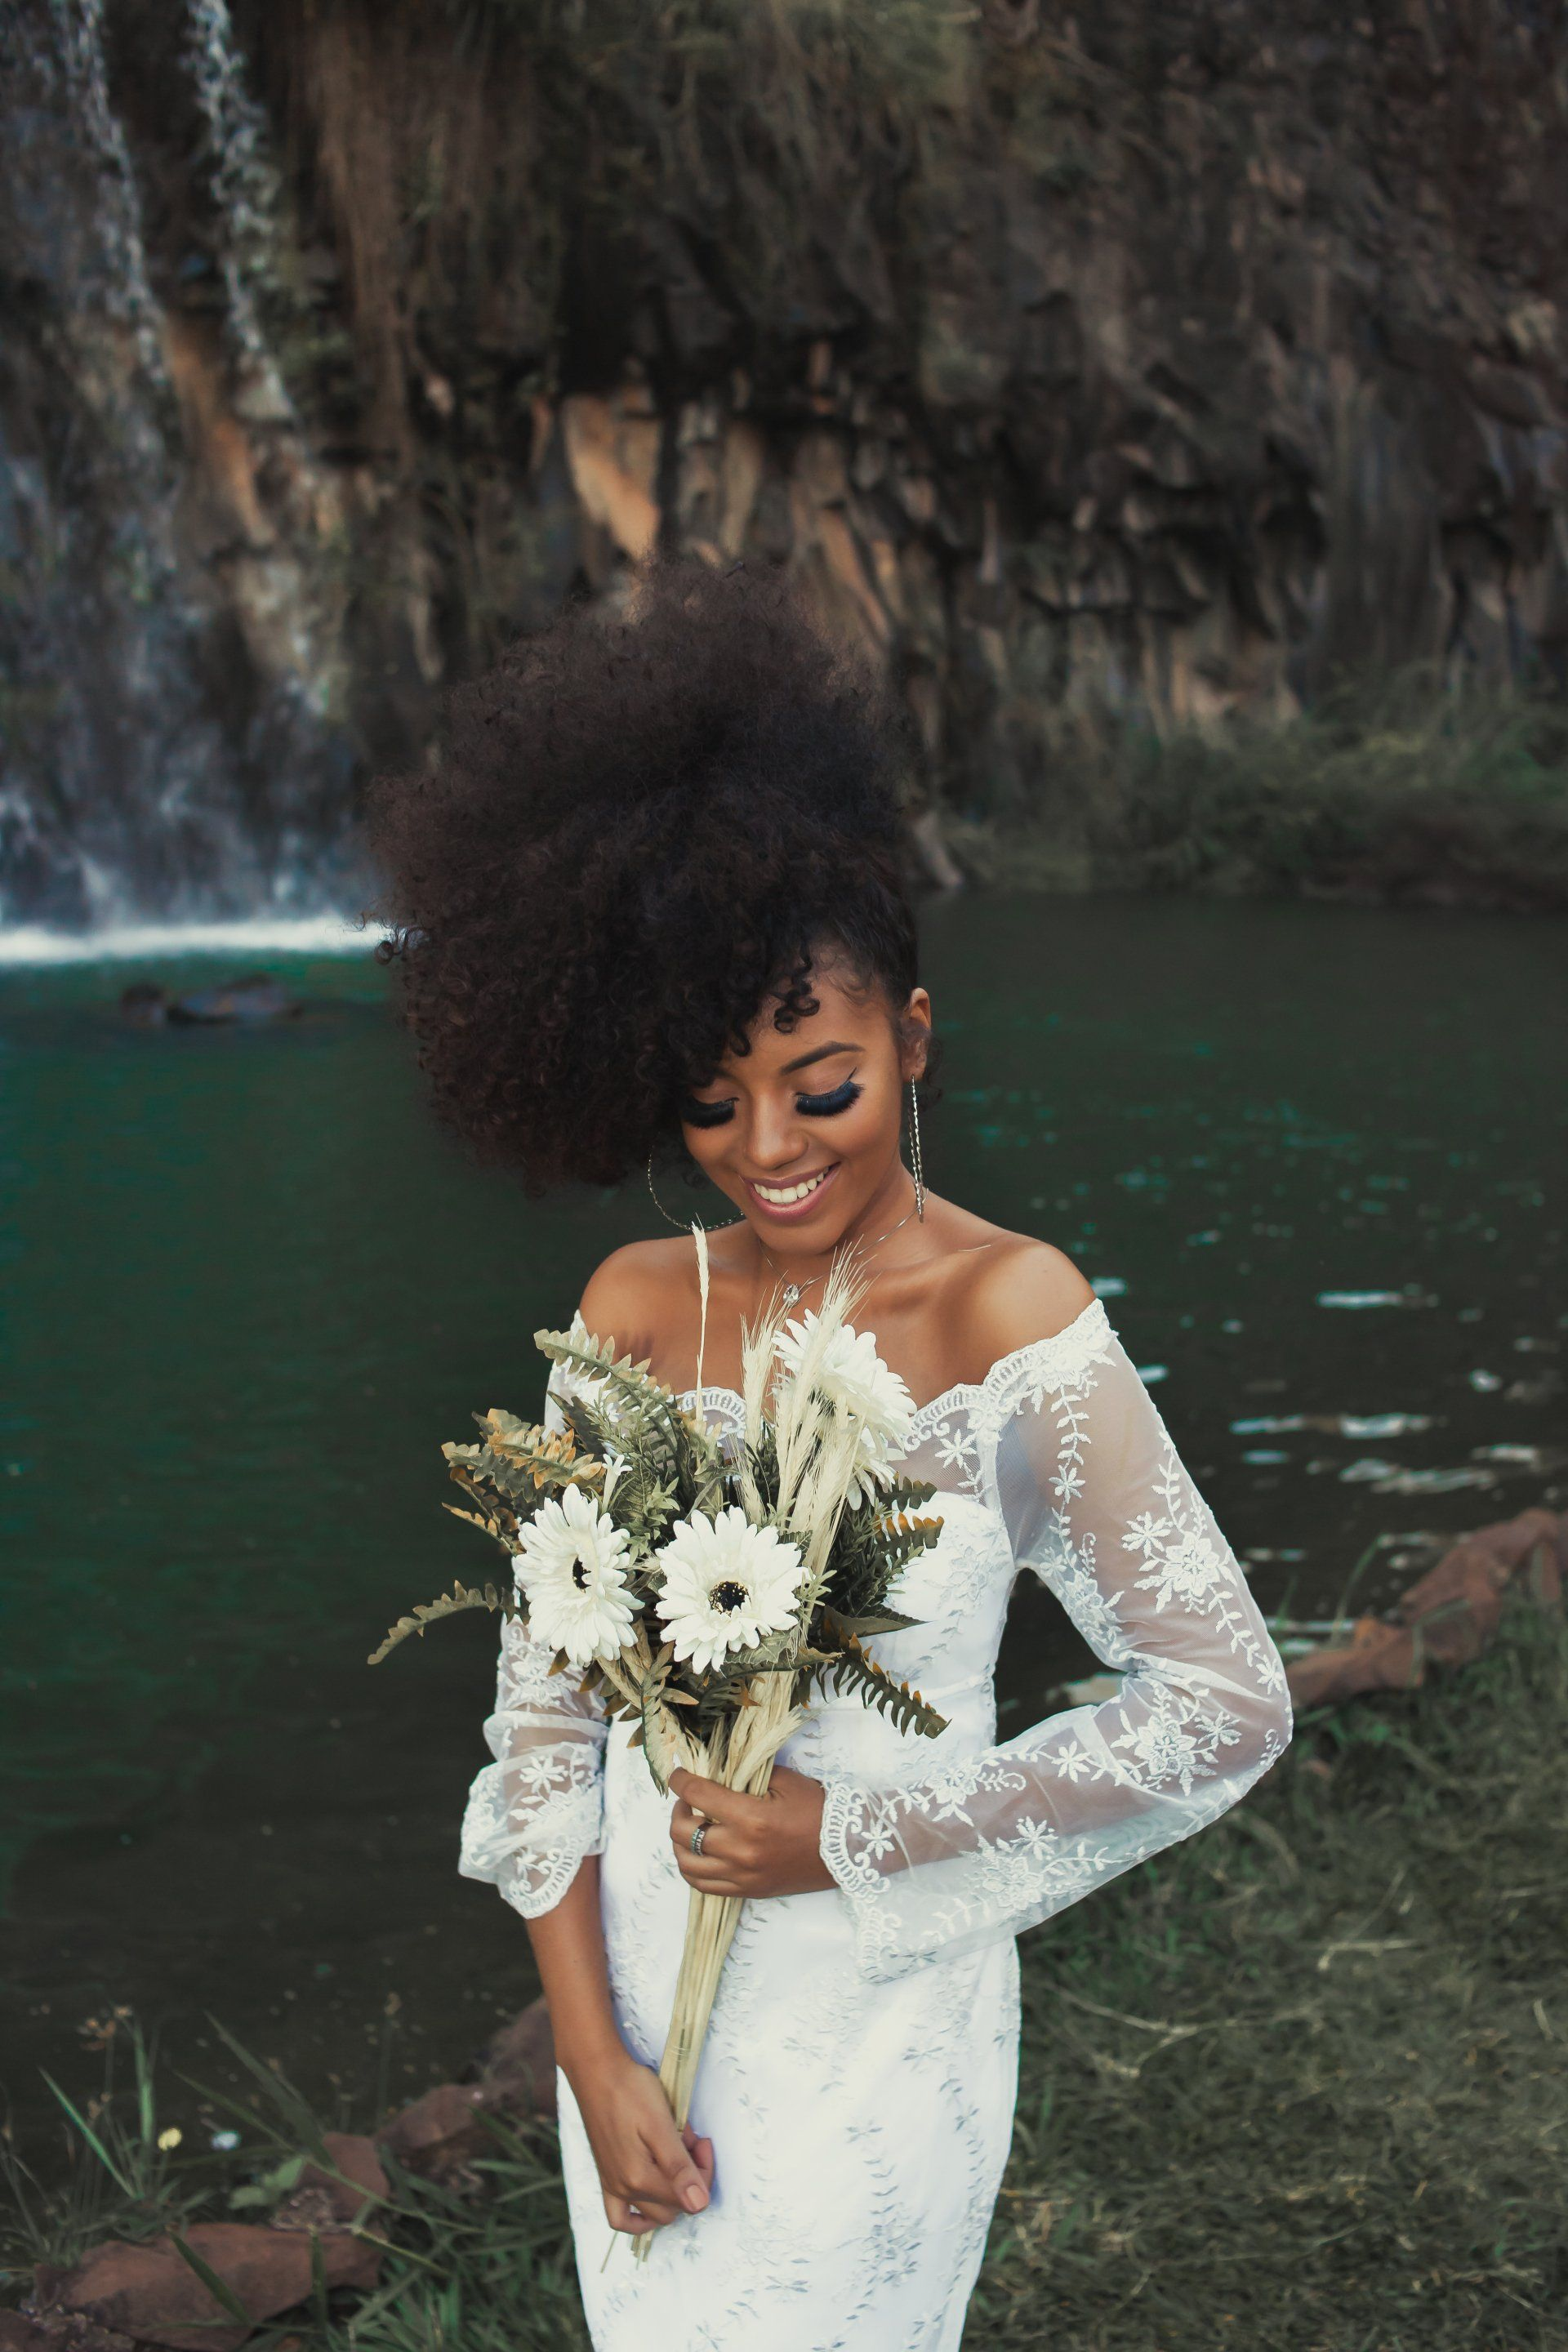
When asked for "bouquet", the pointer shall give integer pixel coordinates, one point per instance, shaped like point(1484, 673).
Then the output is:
point(706, 1589)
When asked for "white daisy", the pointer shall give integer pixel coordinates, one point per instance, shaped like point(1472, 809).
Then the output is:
point(572, 1568)
point(726, 1583)
point(854, 1381)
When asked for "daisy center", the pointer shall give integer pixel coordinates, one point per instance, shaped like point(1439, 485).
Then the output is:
point(729, 1595)
point(580, 1576)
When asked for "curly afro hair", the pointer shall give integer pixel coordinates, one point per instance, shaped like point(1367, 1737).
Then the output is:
point(643, 827)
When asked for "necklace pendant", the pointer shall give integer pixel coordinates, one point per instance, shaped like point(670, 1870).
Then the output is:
point(791, 1294)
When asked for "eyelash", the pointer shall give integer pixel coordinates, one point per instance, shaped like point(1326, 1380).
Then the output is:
point(829, 1106)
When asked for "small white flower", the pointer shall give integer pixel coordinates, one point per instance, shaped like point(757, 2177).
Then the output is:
point(726, 1583)
point(572, 1568)
point(1188, 1569)
point(853, 1380)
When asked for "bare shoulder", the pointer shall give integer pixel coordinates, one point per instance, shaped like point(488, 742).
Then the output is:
point(630, 1293)
point(1016, 1290)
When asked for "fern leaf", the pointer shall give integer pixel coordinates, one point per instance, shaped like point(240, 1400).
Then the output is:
point(904, 1708)
point(492, 1521)
point(449, 1604)
point(906, 1495)
point(876, 1621)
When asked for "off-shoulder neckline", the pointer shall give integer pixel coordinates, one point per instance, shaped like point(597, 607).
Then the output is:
point(1090, 1329)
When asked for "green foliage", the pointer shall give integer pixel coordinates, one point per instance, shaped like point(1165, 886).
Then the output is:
point(852, 1668)
point(644, 1409)
point(1393, 789)
point(1303, 2079)
point(485, 2264)
point(116, 2179)
point(449, 1604)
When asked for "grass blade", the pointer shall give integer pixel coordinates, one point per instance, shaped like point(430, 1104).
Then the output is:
point(218, 2288)
point(125, 2187)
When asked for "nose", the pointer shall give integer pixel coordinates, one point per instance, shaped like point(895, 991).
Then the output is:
point(775, 1139)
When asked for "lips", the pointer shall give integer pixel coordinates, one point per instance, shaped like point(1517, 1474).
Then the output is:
point(794, 1200)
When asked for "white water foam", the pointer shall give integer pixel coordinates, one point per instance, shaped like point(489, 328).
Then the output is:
point(253, 936)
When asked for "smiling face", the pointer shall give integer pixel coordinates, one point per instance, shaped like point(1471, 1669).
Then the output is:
point(801, 1131)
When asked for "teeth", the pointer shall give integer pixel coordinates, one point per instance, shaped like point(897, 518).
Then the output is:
point(784, 1196)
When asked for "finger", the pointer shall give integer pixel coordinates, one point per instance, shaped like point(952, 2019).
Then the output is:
point(720, 1803)
point(685, 1819)
point(654, 2202)
point(708, 1868)
point(682, 2180)
point(719, 1890)
point(715, 1840)
point(620, 2216)
point(701, 2153)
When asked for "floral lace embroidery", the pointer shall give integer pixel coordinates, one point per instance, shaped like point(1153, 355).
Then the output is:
point(1012, 1834)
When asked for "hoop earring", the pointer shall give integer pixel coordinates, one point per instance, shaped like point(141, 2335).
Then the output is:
point(682, 1224)
point(917, 1158)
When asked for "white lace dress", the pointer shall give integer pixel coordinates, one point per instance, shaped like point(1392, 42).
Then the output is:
point(860, 2074)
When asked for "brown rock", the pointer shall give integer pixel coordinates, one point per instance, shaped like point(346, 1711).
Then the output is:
point(1456, 1606)
point(362, 2176)
point(151, 2293)
point(440, 2131)
point(516, 2067)
point(1513, 1540)
point(1542, 1575)
point(1378, 1656)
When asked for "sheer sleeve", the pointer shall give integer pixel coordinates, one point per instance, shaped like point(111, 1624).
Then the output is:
point(1098, 1503)
point(534, 1812)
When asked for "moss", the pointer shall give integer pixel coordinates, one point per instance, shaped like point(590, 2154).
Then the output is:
point(1396, 791)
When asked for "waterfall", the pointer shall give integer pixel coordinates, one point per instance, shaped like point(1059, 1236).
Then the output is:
point(164, 708)
point(244, 189)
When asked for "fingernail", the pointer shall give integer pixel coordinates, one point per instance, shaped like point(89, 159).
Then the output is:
point(694, 2200)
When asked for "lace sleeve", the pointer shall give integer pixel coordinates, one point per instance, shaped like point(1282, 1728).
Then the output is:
point(534, 1812)
point(1097, 1502)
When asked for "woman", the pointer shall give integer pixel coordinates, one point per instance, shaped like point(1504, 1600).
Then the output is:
point(651, 905)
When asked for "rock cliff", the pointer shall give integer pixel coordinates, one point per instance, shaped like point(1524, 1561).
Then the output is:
point(1140, 365)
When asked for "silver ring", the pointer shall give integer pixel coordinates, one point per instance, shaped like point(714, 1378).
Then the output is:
point(698, 1835)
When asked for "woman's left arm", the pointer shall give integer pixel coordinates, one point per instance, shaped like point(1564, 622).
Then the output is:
point(1097, 1502)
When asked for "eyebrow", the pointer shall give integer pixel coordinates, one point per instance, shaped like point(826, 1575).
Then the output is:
point(801, 1062)
point(818, 1054)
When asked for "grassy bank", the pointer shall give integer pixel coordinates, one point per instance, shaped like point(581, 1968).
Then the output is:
point(1301, 2083)
point(1400, 794)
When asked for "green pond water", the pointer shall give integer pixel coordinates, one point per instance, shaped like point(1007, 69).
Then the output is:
point(248, 1288)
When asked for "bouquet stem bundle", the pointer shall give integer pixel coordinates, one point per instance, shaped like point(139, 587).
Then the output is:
point(711, 1920)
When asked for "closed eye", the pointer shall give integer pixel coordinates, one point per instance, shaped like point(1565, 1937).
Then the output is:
point(707, 1114)
point(825, 1106)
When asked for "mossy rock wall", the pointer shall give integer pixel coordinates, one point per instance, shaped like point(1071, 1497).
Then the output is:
point(1127, 370)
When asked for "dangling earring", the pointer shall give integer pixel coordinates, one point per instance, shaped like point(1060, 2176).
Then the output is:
point(917, 1160)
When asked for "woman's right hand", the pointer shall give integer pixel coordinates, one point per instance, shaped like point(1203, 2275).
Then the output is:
point(649, 2170)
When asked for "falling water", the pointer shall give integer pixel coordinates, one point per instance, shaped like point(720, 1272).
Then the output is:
point(159, 763)
point(244, 189)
